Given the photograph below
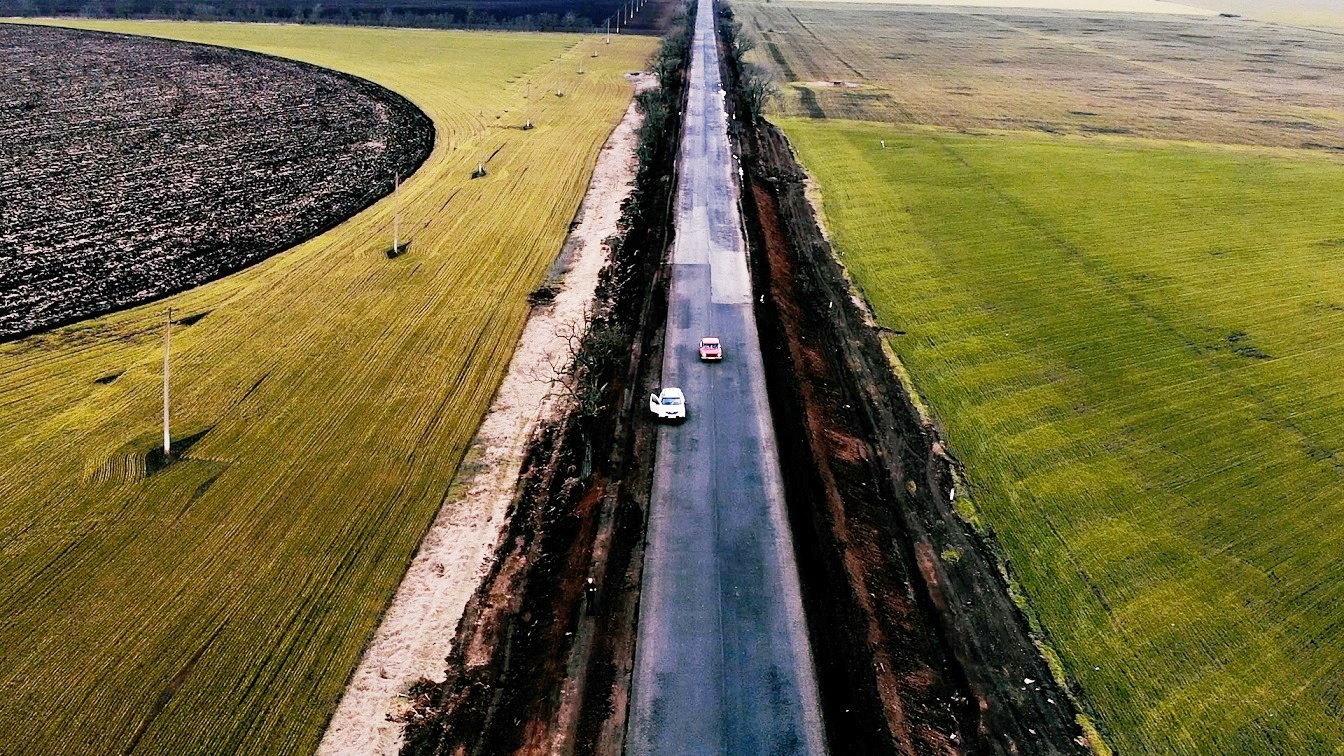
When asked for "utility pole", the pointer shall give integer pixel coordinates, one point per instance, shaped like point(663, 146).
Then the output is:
point(527, 124)
point(396, 213)
point(608, 40)
point(167, 344)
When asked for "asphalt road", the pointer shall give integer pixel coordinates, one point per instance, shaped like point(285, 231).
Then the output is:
point(722, 659)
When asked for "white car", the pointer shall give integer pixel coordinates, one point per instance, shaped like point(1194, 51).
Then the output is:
point(668, 404)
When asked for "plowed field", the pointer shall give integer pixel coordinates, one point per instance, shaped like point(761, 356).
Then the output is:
point(135, 167)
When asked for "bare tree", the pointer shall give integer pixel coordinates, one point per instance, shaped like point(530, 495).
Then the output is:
point(758, 87)
point(575, 374)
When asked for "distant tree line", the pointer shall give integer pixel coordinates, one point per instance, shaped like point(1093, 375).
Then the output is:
point(533, 15)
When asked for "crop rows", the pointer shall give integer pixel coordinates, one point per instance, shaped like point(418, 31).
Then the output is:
point(217, 605)
point(1136, 352)
point(1134, 345)
point(134, 167)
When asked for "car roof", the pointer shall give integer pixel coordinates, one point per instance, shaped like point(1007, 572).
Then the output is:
point(709, 340)
point(672, 392)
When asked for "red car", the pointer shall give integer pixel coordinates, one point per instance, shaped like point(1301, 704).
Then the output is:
point(710, 350)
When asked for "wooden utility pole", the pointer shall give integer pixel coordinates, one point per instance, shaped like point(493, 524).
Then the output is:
point(167, 345)
point(527, 124)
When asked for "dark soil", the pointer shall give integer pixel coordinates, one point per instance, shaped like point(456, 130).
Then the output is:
point(132, 168)
point(532, 15)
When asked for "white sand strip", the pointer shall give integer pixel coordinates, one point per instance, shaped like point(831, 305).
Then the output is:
point(416, 634)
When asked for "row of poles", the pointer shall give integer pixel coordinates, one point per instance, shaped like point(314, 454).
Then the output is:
point(627, 11)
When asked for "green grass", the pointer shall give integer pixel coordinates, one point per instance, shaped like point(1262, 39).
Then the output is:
point(1138, 351)
point(221, 603)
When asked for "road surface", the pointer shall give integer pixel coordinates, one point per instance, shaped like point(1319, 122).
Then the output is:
point(722, 663)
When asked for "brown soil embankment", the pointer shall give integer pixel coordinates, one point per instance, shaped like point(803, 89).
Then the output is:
point(540, 664)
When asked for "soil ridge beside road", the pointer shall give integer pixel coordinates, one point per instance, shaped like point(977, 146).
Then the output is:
point(919, 645)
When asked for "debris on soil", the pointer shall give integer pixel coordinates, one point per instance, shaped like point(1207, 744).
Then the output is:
point(542, 295)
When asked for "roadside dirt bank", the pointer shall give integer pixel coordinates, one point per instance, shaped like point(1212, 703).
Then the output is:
point(541, 663)
point(416, 633)
point(918, 644)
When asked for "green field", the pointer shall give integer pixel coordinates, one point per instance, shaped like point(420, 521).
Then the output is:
point(1116, 248)
point(218, 605)
point(1136, 349)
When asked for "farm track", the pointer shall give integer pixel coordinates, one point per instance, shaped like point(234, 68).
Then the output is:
point(330, 392)
point(138, 167)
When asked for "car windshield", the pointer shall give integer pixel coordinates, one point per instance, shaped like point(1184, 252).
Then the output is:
point(671, 400)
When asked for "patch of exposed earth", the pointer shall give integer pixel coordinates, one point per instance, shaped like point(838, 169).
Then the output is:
point(132, 168)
